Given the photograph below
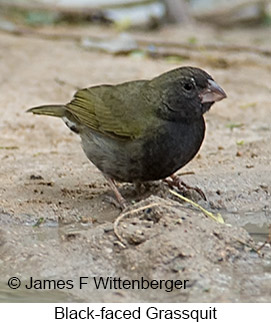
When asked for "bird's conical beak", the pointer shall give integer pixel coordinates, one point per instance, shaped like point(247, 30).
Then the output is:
point(212, 93)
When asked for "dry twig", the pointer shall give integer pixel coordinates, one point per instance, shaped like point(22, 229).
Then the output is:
point(218, 218)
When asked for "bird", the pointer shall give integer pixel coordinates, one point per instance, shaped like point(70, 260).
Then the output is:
point(141, 130)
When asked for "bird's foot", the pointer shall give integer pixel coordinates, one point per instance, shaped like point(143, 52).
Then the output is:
point(118, 205)
point(175, 181)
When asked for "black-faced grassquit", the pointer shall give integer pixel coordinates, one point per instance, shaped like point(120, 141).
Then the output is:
point(141, 130)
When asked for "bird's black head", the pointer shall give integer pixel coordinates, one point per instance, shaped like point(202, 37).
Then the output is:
point(187, 93)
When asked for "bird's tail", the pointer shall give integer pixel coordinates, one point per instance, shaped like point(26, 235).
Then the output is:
point(49, 110)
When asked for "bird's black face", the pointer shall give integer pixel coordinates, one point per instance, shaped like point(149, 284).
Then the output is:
point(187, 93)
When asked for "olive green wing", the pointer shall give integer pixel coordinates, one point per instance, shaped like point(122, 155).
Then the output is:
point(112, 110)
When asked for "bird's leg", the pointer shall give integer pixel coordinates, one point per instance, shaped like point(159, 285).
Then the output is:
point(176, 181)
point(119, 197)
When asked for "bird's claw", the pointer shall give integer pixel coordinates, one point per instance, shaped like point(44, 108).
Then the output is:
point(175, 181)
point(122, 205)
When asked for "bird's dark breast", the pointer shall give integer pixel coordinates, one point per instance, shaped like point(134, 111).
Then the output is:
point(171, 149)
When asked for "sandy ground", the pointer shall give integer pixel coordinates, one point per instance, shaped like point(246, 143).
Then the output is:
point(46, 177)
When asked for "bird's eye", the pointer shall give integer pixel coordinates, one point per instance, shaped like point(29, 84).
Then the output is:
point(188, 86)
